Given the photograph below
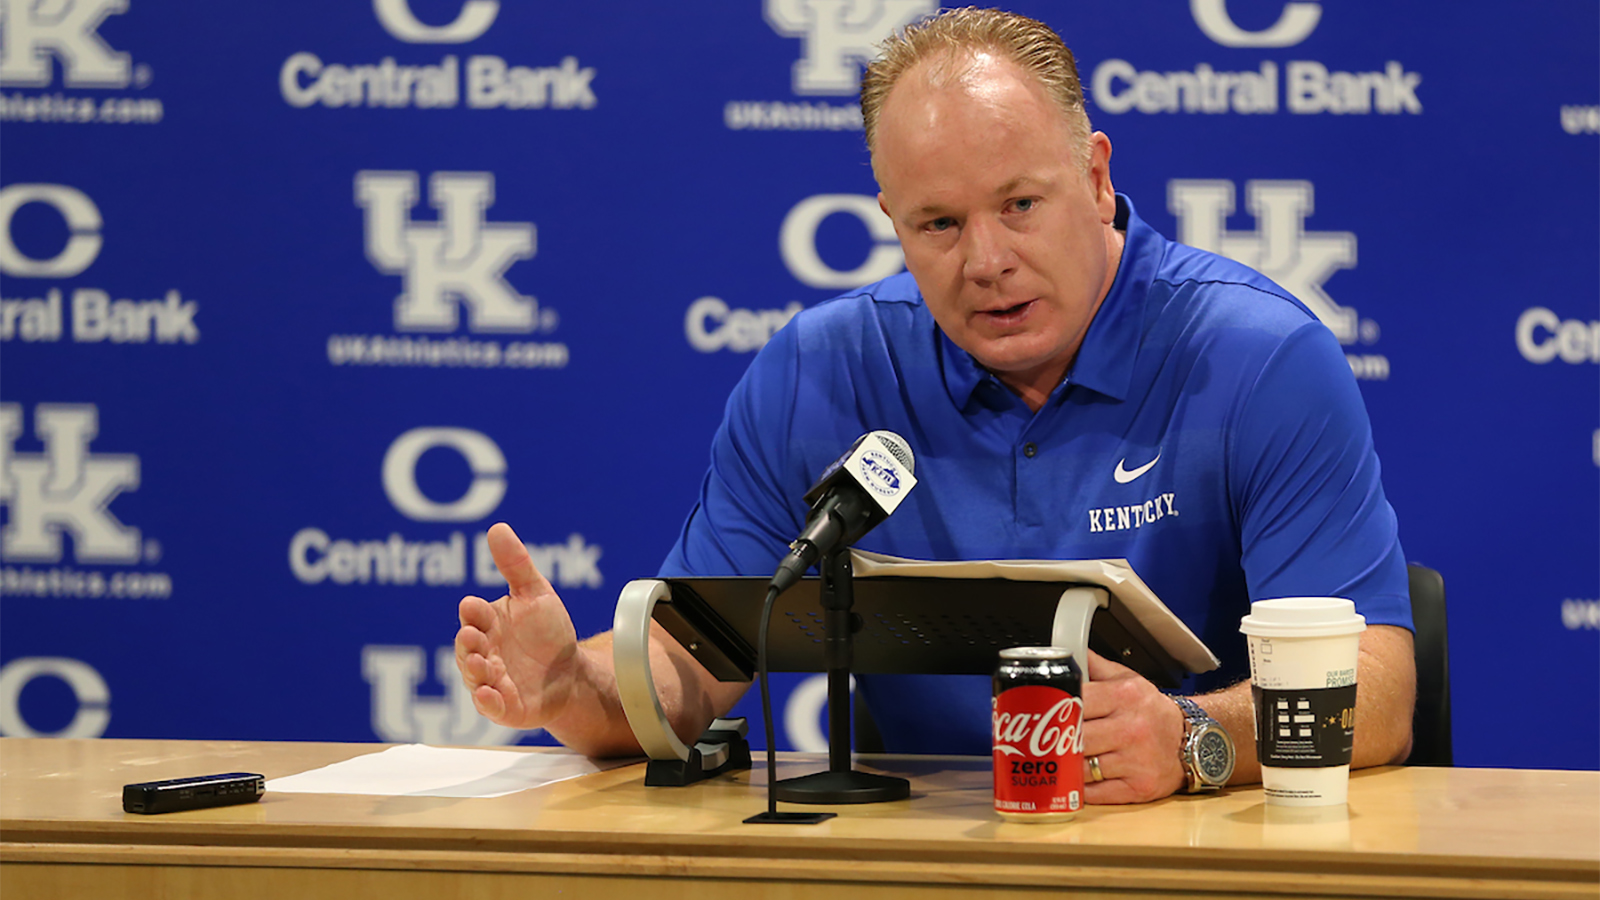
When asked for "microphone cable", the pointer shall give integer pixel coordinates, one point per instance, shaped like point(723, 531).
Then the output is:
point(766, 701)
point(772, 816)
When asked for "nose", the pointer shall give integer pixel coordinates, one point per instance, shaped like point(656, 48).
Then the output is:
point(988, 256)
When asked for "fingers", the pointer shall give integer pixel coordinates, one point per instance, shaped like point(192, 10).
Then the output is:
point(1105, 697)
point(1133, 732)
point(471, 642)
point(1114, 785)
point(1112, 790)
point(488, 701)
point(476, 613)
point(1102, 669)
point(478, 670)
point(514, 563)
point(473, 645)
point(481, 669)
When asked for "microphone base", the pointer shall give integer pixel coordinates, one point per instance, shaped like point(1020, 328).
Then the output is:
point(842, 787)
point(788, 818)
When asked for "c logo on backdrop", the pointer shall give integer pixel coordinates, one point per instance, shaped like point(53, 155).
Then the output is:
point(480, 81)
point(474, 19)
point(456, 560)
point(83, 225)
point(315, 557)
point(710, 324)
point(1294, 25)
point(483, 456)
point(797, 241)
point(94, 315)
point(92, 697)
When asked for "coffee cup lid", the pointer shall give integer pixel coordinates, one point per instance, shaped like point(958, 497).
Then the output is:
point(1303, 617)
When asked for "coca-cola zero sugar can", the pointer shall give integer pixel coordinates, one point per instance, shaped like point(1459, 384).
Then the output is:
point(1038, 735)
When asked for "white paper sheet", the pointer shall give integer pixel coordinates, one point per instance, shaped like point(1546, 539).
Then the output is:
point(417, 770)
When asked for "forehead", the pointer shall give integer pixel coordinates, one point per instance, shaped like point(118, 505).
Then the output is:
point(977, 121)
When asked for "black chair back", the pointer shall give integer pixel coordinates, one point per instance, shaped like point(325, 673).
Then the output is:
point(1430, 724)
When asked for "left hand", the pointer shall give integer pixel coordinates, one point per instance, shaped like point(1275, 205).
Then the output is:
point(1135, 730)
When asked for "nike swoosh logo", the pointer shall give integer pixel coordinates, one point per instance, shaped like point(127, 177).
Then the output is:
point(1123, 476)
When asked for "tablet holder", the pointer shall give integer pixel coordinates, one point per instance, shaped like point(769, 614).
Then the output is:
point(840, 625)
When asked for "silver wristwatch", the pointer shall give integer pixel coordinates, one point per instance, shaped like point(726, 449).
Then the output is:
point(1207, 752)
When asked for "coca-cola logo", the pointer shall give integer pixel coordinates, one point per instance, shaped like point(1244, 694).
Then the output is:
point(1054, 732)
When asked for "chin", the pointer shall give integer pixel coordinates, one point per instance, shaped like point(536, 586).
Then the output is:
point(1013, 360)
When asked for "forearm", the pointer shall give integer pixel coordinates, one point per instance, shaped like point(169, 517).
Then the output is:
point(1234, 710)
point(593, 722)
point(1386, 687)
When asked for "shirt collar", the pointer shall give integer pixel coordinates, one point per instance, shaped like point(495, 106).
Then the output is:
point(1105, 361)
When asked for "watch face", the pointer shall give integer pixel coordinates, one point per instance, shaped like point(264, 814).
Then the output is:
point(1215, 757)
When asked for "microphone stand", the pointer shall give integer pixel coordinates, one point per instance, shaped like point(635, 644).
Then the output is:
point(841, 783)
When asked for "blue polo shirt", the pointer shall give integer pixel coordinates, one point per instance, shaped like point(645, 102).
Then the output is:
point(1210, 432)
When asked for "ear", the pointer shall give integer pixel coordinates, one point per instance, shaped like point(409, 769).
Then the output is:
point(883, 205)
point(1105, 196)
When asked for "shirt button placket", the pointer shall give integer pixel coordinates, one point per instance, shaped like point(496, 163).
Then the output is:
point(1030, 501)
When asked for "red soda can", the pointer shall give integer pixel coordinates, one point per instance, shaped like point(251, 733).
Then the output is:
point(1038, 735)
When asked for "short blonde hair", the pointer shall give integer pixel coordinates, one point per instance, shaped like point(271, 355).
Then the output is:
point(955, 33)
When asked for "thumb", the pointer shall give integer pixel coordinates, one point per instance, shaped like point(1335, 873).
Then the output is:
point(512, 559)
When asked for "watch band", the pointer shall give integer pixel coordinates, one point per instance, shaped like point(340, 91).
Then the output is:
point(1207, 751)
point(1192, 711)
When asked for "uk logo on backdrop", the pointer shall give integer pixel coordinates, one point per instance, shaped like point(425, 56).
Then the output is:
point(837, 38)
point(67, 489)
point(86, 315)
point(1281, 248)
point(711, 324)
point(401, 715)
point(453, 277)
point(37, 36)
point(480, 81)
point(1296, 86)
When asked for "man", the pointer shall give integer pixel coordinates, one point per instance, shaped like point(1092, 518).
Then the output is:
point(1073, 385)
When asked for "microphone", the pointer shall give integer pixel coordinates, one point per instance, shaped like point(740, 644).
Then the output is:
point(856, 492)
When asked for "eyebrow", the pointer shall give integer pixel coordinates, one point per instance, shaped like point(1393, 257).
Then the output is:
point(1018, 182)
point(1021, 181)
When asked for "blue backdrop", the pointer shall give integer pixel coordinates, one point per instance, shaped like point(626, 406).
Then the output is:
point(299, 298)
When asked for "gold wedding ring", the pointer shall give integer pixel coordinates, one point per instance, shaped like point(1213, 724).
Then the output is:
point(1094, 769)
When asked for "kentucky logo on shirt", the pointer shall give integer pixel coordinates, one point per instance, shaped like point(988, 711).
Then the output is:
point(1137, 515)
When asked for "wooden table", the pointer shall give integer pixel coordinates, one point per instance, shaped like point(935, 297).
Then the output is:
point(1461, 833)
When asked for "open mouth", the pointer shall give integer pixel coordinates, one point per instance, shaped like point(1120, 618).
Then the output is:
point(1010, 315)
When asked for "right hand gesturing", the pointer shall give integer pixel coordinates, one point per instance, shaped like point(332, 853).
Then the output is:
point(519, 654)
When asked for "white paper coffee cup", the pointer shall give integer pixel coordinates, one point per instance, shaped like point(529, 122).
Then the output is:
point(1303, 653)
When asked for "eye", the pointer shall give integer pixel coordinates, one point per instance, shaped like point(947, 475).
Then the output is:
point(1024, 204)
point(943, 223)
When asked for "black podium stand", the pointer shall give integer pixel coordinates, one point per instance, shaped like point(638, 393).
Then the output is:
point(840, 783)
